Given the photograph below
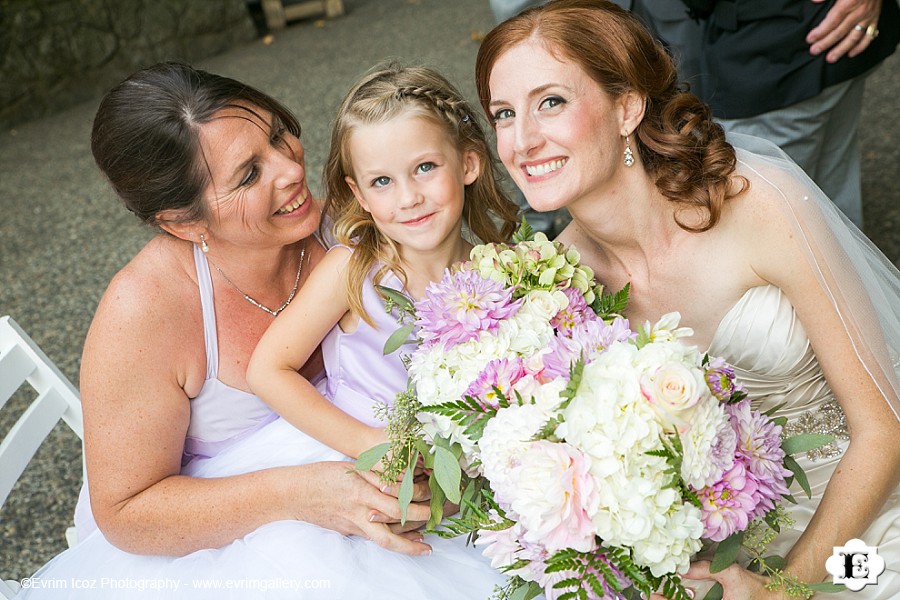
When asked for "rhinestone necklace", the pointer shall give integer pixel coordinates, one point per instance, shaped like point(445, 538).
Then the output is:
point(275, 312)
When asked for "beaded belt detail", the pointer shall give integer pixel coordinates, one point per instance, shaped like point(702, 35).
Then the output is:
point(828, 419)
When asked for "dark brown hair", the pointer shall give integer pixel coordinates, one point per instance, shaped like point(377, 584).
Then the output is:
point(679, 143)
point(145, 136)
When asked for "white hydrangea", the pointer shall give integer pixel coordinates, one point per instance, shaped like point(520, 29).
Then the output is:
point(611, 421)
point(608, 417)
point(527, 333)
point(669, 548)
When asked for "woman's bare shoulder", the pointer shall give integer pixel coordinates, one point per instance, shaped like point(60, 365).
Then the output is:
point(151, 299)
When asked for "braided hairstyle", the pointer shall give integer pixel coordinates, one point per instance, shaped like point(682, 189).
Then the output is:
point(380, 96)
point(679, 143)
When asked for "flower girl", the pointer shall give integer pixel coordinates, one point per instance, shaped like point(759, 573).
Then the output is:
point(408, 165)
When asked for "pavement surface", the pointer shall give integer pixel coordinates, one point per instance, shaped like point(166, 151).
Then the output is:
point(63, 233)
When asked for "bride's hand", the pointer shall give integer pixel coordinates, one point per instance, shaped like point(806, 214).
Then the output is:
point(737, 582)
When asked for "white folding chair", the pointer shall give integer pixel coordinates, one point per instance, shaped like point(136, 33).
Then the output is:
point(22, 361)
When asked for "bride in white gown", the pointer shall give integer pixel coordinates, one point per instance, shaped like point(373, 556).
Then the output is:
point(731, 234)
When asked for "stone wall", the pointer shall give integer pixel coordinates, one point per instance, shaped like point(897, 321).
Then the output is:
point(57, 53)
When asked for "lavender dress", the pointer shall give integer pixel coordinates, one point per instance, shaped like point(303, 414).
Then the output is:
point(232, 432)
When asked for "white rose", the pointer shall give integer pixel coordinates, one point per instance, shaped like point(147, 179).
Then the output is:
point(674, 390)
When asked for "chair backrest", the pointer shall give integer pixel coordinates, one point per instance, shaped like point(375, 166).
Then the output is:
point(21, 362)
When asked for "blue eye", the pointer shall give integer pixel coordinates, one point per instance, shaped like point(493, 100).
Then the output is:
point(551, 102)
point(503, 113)
point(426, 167)
point(381, 181)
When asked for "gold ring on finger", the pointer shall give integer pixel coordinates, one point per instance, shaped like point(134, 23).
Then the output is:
point(872, 31)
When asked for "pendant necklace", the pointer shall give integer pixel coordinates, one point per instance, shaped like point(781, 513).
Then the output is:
point(276, 311)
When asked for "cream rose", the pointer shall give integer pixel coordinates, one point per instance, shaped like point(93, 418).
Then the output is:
point(673, 391)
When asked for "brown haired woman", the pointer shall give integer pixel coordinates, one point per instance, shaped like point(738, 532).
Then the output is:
point(198, 490)
point(730, 234)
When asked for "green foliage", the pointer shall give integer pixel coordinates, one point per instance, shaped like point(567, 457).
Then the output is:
point(370, 457)
point(589, 571)
point(469, 413)
point(406, 489)
point(805, 442)
point(727, 552)
point(517, 588)
point(404, 434)
point(447, 472)
point(524, 233)
point(754, 541)
point(400, 337)
point(407, 313)
point(799, 474)
point(576, 372)
point(474, 515)
point(395, 298)
point(610, 305)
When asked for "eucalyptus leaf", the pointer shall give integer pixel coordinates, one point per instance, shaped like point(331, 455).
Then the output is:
point(437, 503)
point(826, 587)
point(399, 298)
point(406, 492)
point(398, 338)
point(805, 442)
point(520, 593)
point(727, 552)
point(794, 467)
point(448, 473)
point(370, 457)
point(715, 592)
point(427, 455)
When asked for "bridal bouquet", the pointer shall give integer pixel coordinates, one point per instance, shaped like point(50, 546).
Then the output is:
point(590, 459)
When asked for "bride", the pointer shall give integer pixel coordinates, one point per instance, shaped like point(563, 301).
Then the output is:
point(731, 234)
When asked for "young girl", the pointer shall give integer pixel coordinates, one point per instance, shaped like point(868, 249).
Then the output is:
point(408, 164)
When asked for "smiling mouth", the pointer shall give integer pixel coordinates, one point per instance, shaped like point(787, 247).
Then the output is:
point(297, 203)
point(417, 220)
point(547, 167)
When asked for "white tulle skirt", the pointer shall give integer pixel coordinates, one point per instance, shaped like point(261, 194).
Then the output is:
point(284, 559)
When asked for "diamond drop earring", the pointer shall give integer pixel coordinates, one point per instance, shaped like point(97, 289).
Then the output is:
point(629, 155)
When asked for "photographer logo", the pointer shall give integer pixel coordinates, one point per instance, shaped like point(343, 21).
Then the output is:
point(855, 565)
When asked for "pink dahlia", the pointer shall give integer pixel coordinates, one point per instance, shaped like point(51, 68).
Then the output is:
point(501, 374)
point(721, 379)
point(576, 313)
point(461, 305)
point(583, 340)
point(759, 448)
point(728, 505)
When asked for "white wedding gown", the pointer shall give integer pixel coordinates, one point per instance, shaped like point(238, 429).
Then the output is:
point(765, 342)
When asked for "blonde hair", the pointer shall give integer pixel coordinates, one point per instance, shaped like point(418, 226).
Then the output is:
point(380, 96)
